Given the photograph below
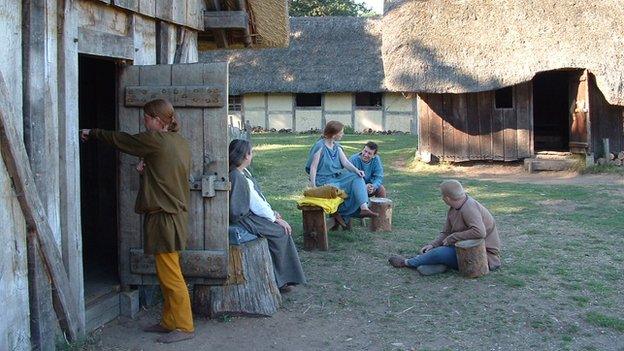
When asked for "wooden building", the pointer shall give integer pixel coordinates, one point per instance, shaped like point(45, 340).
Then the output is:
point(332, 70)
point(503, 80)
point(72, 244)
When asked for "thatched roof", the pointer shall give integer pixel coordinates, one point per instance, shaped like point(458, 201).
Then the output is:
point(326, 54)
point(453, 46)
point(270, 19)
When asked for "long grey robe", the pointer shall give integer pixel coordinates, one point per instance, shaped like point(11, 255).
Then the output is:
point(286, 262)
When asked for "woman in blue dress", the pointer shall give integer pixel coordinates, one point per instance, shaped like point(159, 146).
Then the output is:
point(328, 165)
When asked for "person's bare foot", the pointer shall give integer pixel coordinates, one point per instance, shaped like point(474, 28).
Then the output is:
point(175, 336)
point(397, 261)
point(156, 328)
point(368, 213)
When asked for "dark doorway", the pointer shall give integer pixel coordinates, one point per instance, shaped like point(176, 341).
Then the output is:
point(98, 177)
point(551, 109)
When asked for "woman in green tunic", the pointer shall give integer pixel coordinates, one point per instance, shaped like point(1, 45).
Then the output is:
point(163, 199)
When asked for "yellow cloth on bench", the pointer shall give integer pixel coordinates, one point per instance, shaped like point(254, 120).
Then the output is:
point(329, 206)
point(325, 192)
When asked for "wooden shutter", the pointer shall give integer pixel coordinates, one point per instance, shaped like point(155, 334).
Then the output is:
point(199, 94)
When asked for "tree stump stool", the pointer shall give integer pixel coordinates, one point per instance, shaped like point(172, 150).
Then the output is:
point(314, 228)
point(250, 290)
point(383, 206)
point(472, 258)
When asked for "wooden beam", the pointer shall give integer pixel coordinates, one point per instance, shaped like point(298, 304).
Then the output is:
point(226, 20)
point(220, 35)
point(16, 161)
point(105, 44)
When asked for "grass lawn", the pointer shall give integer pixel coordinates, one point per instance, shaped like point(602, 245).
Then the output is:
point(560, 286)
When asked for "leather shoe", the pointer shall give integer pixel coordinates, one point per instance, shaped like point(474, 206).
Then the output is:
point(397, 261)
point(368, 213)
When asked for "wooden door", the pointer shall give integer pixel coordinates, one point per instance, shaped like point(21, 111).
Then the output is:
point(199, 94)
point(579, 112)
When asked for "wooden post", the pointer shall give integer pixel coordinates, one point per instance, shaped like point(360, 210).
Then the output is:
point(472, 258)
point(251, 289)
point(605, 148)
point(314, 228)
point(16, 161)
point(383, 206)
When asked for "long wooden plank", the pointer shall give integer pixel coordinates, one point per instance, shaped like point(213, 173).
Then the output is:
point(192, 121)
point(498, 139)
point(523, 105)
point(16, 160)
point(129, 121)
point(449, 151)
point(510, 134)
point(40, 136)
point(423, 124)
point(154, 75)
point(194, 263)
point(485, 124)
point(462, 142)
point(472, 127)
point(436, 109)
point(216, 213)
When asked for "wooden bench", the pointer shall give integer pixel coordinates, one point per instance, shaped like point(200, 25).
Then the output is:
point(314, 228)
point(250, 290)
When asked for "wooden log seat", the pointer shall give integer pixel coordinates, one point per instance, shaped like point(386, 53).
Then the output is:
point(314, 228)
point(382, 223)
point(250, 290)
point(472, 258)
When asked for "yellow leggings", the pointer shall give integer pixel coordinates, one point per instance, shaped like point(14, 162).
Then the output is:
point(177, 303)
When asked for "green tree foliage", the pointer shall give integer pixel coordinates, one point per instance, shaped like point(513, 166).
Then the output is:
point(300, 8)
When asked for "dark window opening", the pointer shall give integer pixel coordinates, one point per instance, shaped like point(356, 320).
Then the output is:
point(368, 99)
point(235, 103)
point(308, 100)
point(504, 98)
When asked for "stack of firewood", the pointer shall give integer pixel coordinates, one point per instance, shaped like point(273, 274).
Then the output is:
point(613, 159)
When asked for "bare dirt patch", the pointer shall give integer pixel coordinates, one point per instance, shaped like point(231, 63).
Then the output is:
point(559, 205)
point(514, 172)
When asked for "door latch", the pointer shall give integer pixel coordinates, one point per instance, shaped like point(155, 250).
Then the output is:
point(209, 185)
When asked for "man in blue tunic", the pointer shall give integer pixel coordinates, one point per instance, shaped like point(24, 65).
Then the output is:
point(368, 161)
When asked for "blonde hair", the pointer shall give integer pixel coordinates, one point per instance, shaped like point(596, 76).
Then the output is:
point(452, 189)
point(332, 128)
point(163, 109)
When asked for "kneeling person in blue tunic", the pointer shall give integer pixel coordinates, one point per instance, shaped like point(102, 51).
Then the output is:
point(369, 162)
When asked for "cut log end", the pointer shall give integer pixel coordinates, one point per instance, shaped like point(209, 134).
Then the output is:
point(257, 295)
point(382, 206)
point(472, 258)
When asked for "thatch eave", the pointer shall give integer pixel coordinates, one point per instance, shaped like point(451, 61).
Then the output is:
point(447, 46)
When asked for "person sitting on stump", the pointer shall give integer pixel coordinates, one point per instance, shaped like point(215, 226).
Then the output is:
point(327, 164)
point(369, 162)
point(249, 209)
point(466, 219)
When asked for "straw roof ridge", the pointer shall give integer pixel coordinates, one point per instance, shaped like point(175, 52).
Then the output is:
point(457, 46)
point(326, 54)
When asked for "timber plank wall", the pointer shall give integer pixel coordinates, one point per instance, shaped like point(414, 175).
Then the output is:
point(606, 121)
point(466, 127)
